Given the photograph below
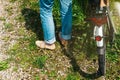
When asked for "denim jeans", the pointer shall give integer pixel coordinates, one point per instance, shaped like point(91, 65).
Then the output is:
point(48, 23)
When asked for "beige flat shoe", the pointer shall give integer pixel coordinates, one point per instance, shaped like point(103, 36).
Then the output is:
point(44, 45)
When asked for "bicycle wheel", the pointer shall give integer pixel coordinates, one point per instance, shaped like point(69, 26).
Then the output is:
point(110, 28)
point(101, 61)
point(101, 48)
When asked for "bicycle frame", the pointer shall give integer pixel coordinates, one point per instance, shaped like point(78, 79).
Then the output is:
point(101, 24)
point(99, 20)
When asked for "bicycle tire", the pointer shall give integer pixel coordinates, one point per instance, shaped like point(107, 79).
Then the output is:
point(111, 26)
point(108, 31)
point(101, 51)
point(101, 61)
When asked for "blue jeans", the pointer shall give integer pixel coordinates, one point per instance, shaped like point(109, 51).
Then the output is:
point(48, 23)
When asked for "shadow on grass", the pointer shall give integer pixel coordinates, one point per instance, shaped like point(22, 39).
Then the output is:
point(86, 42)
point(77, 68)
point(33, 22)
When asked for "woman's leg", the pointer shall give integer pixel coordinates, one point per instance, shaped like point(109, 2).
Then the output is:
point(47, 20)
point(47, 25)
point(66, 18)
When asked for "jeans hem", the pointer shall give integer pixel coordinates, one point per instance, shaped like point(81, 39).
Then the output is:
point(66, 37)
point(51, 41)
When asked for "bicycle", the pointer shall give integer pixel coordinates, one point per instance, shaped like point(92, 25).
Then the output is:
point(103, 30)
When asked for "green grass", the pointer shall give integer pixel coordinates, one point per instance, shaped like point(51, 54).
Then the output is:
point(2, 19)
point(9, 10)
point(27, 54)
point(8, 26)
point(6, 38)
point(3, 65)
point(23, 50)
point(72, 77)
point(40, 61)
point(113, 52)
point(37, 78)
